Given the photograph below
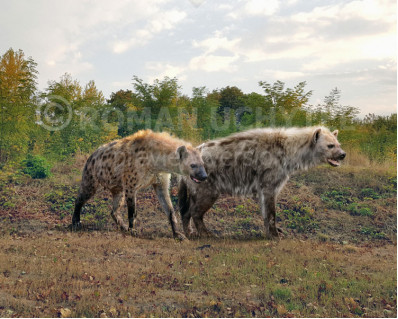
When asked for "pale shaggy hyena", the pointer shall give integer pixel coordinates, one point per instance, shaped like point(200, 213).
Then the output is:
point(137, 161)
point(257, 163)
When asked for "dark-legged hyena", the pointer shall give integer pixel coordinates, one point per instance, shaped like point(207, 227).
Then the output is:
point(137, 161)
point(256, 162)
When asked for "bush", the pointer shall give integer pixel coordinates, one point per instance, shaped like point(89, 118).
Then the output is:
point(36, 166)
point(300, 218)
point(356, 209)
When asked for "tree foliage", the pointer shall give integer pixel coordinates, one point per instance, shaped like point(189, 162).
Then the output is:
point(18, 76)
point(68, 117)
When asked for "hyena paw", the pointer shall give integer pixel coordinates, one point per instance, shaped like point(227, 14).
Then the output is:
point(76, 226)
point(273, 236)
point(192, 234)
point(179, 236)
point(133, 232)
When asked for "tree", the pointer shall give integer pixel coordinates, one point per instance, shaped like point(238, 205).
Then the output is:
point(285, 107)
point(78, 115)
point(334, 114)
point(230, 98)
point(121, 102)
point(160, 94)
point(278, 97)
point(66, 87)
point(92, 96)
point(17, 89)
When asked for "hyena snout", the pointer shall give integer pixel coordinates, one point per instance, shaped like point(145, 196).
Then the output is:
point(336, 158)
point(342, 155)
point(198, 174)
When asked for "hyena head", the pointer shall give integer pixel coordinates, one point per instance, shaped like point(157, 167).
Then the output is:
point(191, 163)
point(327, 148)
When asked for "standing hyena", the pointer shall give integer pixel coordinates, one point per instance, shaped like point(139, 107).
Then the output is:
point(256, 162)
point(137, 161)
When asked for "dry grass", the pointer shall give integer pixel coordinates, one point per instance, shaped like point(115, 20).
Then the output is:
point(357, 159)
point(107, 272)
point(337, 265)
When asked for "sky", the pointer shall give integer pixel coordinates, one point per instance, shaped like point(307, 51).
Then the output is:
point(351, 45)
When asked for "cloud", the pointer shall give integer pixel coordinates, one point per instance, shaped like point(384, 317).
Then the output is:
point(320, 39)
point(158, 22)
point(217, 42)
point(343, 43)
point(162, 70)
point(261, 7)
point(214, 63)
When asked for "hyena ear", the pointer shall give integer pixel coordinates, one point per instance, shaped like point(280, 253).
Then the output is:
point(335, 133)
point(316, 135)
point(182, 152)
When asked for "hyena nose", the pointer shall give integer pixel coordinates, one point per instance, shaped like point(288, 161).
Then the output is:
point(202, 175)
point(342, 156)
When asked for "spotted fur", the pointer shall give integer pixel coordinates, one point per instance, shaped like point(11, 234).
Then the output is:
point(124, 166)
point(256, 162)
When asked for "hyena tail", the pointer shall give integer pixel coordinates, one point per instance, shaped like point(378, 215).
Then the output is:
point(86, 191)
point(183, 197)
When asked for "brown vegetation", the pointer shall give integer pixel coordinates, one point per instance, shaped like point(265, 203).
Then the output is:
point(337, 259)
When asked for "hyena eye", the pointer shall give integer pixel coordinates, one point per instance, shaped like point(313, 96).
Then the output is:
point(330, 145)
point(194, 166)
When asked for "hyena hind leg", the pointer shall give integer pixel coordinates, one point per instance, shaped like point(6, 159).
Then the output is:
point(132, 212)
point(81, 199)
point(85, 193)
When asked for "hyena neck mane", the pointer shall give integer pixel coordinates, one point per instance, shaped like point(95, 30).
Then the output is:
point(291, 148)
point(298, 148)
point(164, 157)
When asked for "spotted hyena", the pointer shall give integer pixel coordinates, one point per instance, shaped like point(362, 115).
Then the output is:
point(137, 161)
point(257, 163)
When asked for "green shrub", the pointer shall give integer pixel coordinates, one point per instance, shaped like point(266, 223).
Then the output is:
point(369, 193)
point(300, 218)
point(356, 209)
point(337, 198)
point(36, 166)
point(282, 294)
point(372, 233)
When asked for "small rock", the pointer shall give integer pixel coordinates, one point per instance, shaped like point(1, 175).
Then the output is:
point(387, 312)
point(10, 312)
point(113, 311)
point(65, 313)
point(281, 310)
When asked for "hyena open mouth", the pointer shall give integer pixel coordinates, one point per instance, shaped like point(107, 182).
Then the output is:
point(333, 162)
point(336, 161)
point(195, 180)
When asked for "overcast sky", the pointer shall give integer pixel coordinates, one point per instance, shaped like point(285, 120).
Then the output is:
point(346, 44)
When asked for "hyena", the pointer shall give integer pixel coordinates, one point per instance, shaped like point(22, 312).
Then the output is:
point(255, 163)
point(137, 161)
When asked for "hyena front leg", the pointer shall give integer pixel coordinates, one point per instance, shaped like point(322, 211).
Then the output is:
point(199, 205)
point(162, 192)
point(267, 203)
point(118, 198)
